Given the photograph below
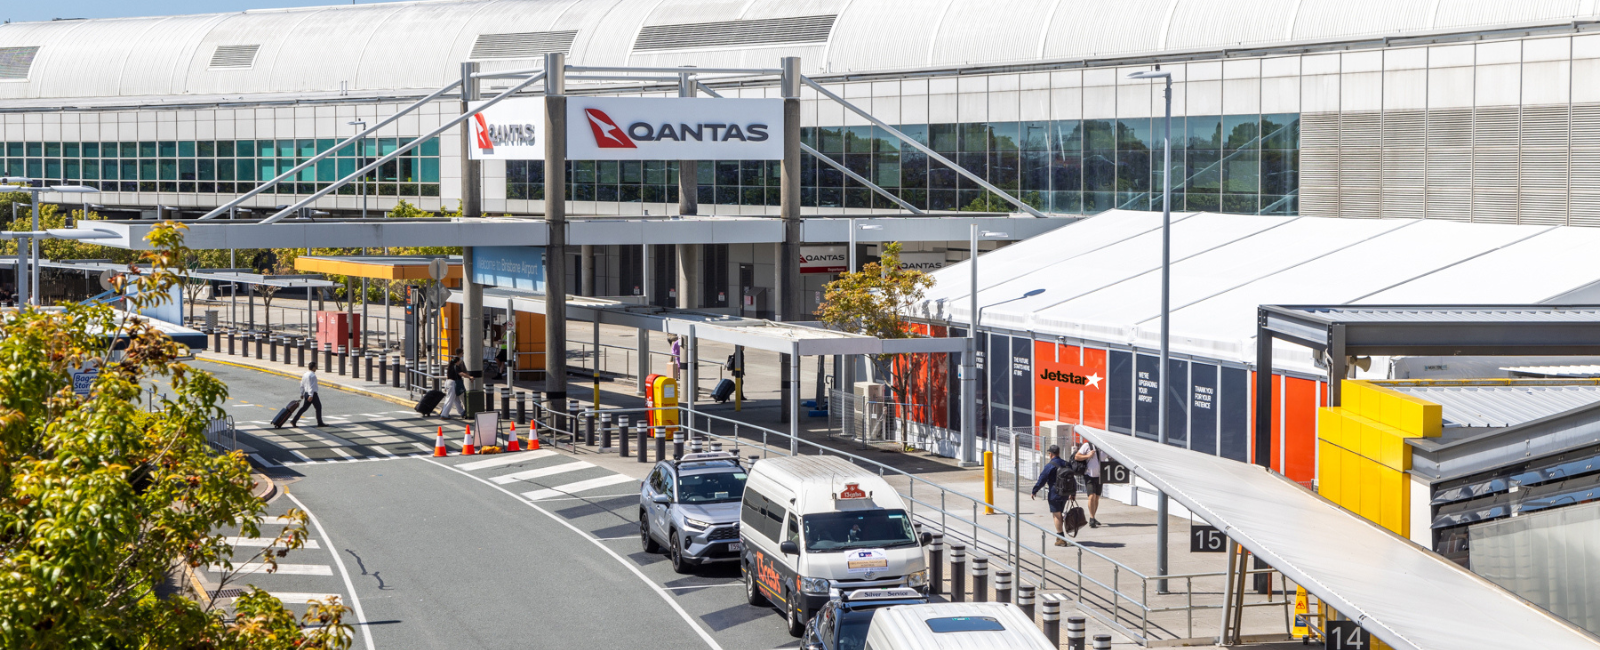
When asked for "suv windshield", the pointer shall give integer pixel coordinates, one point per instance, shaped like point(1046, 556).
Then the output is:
point(836, 531)
point(711, 488)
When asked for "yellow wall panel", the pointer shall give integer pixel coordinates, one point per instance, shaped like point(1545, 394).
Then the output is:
point(1390, 491)
point(1350, 397)
point(1328, 483)
point(1371, 492)
point(1329, 424)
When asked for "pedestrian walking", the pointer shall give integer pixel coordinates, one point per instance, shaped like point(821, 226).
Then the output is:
point(454, 397)
point(1092, 485)
point(677, 358)
point(1061, 484)
point(308, 396)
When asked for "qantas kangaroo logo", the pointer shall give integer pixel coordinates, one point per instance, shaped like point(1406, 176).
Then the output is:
point(606, 133)
point(483, 133)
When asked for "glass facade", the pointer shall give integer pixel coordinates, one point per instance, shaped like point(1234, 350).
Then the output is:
point(1246, 164)
point(225, 166)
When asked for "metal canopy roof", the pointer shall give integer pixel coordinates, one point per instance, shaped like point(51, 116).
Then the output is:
point(1405, 595)
point(1500, 403)
point(760, 334)
point(599, 231)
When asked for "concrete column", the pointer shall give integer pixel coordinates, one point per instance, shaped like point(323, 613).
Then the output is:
point(471, 207)
point(688, 170)
point(688, 276)
point(788, 259)
point(644, 359)
point(555, 215)
point(586, 270)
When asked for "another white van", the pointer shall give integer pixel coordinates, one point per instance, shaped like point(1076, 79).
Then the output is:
point(954, 626)
point(809, 524)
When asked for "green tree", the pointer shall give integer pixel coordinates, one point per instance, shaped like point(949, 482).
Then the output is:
point(874, 301)
point(53, 216)
point(100, 500)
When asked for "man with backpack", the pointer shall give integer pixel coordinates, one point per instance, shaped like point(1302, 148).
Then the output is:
point(1058, 476)
point(1091, 477)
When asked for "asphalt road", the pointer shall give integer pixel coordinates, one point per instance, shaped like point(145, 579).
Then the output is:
point(449, 553)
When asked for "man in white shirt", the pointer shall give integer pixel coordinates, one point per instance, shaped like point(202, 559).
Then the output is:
point(308, 396)
point(1091, 478)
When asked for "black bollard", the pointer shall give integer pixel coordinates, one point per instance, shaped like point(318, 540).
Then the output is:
point(383, 371)
point(1025, 600)
point(936, 564)
point(1077, 630)
point(505, 403)
point(644, 443)
point(231, 339)
point(522, 407)
point(605, 432)
point(327, 357)
point(1052, 621)
point(1002, 586)
point(590, 420)
point(272, 349)
point(1102, 642)
point(342, 356)
point(958, 575)
point(368, 359)
point(355, 363)
point(677, 449)
point(622, 437)
point(980, 579)
point(216, 340)
point(300, 354)
point(661, 444)
point(258, 347)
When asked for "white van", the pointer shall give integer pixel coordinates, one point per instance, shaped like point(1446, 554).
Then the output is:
point(809, 524)
point(954, 626)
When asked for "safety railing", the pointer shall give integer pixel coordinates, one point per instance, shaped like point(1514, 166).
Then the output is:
point(1117, 594)
point(221, 434)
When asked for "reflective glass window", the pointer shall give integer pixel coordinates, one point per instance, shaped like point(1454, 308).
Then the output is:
point(186, 149)
point(166, 149)
point(70, 149)
point(35, 149)
point(52, 149)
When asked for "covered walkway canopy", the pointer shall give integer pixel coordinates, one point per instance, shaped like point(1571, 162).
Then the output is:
point(1403, 594)
point(378, 267)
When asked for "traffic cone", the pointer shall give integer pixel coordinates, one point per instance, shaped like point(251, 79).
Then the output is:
point(439, 450)
point(513, 445)
point(466, 444)
point(533, 438)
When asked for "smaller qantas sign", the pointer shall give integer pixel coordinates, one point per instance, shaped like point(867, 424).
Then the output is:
point(607, 135)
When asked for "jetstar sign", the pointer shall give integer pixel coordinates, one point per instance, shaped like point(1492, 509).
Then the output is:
point(657, 128)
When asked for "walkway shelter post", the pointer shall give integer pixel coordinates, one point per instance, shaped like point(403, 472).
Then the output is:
point(555, 216)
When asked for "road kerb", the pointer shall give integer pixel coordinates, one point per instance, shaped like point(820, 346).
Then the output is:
point(334, 385)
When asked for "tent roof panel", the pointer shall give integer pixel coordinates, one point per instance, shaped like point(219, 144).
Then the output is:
point(1537, 269)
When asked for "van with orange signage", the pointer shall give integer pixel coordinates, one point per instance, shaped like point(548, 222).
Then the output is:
point(811, 524)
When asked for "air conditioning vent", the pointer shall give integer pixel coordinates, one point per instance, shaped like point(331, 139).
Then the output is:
point(769, 31)
point(234, 56)
point(16, 61)
point(526, 45)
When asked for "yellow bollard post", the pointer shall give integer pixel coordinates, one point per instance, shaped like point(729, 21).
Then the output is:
point(988, 482)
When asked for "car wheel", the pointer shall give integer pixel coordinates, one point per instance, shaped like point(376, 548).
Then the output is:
point(650, 545)
point(675, 552)
point(752, 593)
point(795, 614)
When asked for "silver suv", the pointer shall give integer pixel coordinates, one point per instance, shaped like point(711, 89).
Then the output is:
point(691, 506)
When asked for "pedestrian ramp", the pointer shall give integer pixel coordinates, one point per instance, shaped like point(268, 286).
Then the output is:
point(544, 475)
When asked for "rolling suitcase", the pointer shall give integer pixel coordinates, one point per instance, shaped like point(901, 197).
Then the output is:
point(283, 415)
point(723, 391)
point(429, 401)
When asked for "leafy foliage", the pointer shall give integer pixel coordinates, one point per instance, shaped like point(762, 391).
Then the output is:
point(101, 500)
point(874, 301)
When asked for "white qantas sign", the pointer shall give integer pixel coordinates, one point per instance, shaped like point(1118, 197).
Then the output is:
point(672, 128)
point(510, 130)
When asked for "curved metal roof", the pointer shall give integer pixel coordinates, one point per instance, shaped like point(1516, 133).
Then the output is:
point(417, 45)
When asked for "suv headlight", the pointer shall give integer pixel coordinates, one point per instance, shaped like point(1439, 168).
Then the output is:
point(814, 586)
point(917, 579)
point(695, 524)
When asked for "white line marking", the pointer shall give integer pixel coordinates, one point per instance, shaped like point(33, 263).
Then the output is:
point(422, 446)
point(342, 452)
point(543, 471)
point(283, 569)
point(300, 455)
point(355, 601)
point(731, 584)
point(671, 602)
point(299, 598)
point(593, 496)
point(264, 462)
point(506, 460)
point(261, 542)
point(383, 451)
point(568, 489)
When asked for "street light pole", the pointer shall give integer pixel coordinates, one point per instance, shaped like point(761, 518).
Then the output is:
point(969, 367)
point(1162, 385)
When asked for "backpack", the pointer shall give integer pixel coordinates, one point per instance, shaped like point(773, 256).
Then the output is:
point(1066, 483)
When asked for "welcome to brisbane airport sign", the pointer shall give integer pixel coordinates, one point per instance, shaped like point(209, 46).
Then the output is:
point(634, 128)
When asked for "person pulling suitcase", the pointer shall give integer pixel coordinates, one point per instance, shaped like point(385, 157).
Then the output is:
point(308, 396)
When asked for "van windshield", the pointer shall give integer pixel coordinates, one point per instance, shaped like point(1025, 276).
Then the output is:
point(711, 488)
point(837, 531)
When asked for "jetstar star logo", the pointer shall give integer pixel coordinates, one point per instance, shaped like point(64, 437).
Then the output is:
point(607, 135)
point(1092, 381)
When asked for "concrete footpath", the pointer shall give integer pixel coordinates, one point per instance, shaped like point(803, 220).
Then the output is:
point(1114, 555)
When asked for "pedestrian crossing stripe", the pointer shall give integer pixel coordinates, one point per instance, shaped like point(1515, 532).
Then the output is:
point(370, 459)
point(541, 472)
point(507, 459)
point(568, 489)
point(283, 569)
point(300, 598)
point(262, 542)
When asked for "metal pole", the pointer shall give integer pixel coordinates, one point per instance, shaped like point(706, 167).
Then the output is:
point(1166, 320)
point(33, 243)
point(555, 215)
point(794, 402)
point(969, 368)
point(688, 170)
point(788, 262)
point(21, 273)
